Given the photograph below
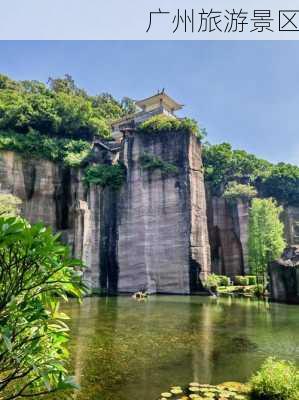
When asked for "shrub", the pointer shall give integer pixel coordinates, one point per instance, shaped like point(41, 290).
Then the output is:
point(212, 281)
point(276, 380)
point(252, 280)
point(164, 123)
point(105, 175)
point(241, 280)
point(33, 144)
point(259, 290)
point(224, 280)
point(36, 273)
point(151, 162)
point(236, 191)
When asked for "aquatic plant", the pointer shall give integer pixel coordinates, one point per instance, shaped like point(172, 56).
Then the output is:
point(197, 391)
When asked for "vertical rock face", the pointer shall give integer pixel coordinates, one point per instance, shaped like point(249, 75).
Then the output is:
point(284, 277)
point(38, 184)
point(152, 234)
point(228, 225)
point(291, 223)
point(162, 230)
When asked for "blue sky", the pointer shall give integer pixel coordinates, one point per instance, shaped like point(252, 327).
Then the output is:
point(242, 92)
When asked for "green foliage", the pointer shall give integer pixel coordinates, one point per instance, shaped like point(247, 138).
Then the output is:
point(164, 123)
point(223, 280)
point(60, 109)
point(282, 184)
point(151, 163)
point(105, 175)
point(128, 105)
point(252, 280)
point(9, 205)
point(35, 273)
point(276, 380)
point(212, 281)
point(266, 234)
point(258, 290)
point(223, 164)
point(71, 152)
point(240, 280)
point(236, 190)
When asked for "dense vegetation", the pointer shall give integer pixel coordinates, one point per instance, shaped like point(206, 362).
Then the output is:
point(224, 165)
point(236, 190)
point(59, 109)
point(163, 123)
point(56, 121)
point(36, 272)
point(105, 175)
point(69, 151)
point(276, 380)
point(266, 235)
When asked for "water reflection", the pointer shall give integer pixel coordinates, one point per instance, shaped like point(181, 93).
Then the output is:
point(123, 349)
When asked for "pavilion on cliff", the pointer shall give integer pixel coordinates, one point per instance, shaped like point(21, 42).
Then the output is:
point(158, 104)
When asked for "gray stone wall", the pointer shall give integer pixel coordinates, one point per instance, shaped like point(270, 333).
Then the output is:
point(152, 234)
point(163, 241)
point(228, 231)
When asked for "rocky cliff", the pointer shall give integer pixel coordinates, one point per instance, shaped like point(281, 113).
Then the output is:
point(151, 234)
point(162, 225)
point(228, 232)
point(161, 231)
point(228, 225)
point(284, 277)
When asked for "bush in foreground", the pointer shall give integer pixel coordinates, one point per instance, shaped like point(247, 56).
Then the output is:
point(276, 380)
point(35, 273)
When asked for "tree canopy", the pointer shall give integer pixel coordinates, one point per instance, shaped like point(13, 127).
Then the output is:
point(224, 165)
point(266, 234)
point(58, 109)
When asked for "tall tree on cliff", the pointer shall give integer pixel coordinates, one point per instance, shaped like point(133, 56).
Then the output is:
point(266, 235)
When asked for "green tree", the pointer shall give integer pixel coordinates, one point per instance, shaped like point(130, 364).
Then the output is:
point(222, 164)
point(59, 109)
point(35, 273)
point(236, 190)
point(282, 184)
point(266, 235)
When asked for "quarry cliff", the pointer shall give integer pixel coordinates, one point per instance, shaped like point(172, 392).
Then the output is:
point(162, 230)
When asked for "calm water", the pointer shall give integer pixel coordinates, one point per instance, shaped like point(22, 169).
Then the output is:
point(126, 350)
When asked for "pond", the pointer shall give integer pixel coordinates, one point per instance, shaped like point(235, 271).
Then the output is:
point(123, 349)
